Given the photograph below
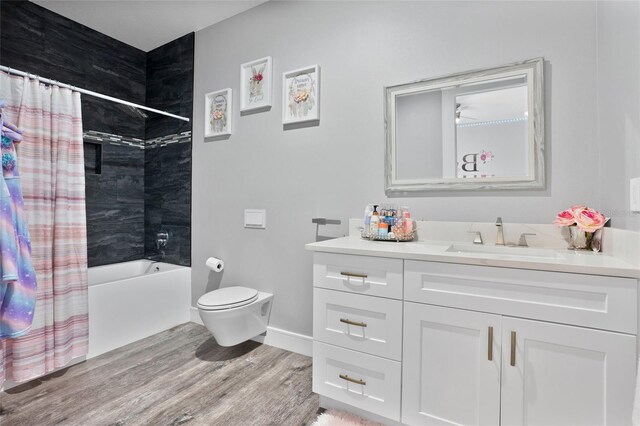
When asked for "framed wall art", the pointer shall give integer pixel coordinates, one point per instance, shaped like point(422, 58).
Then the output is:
point(218, 110)
point(301, 95)
point(256, 84)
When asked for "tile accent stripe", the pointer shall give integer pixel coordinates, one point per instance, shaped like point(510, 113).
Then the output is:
point(108, 138)
point(169, 139)
point(94, 136)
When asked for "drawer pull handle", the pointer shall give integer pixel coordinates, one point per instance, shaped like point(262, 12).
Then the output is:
point(490, 342)
point(348, 321)
point(513, 348)
point(349, 379)
point(353, 274)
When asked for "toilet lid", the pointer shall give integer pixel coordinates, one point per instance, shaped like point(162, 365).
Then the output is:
point(228, 297)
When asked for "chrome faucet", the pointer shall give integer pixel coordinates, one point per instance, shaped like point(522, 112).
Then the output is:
point(523, 239)
point(500, 235)
point(477, 237)
point(162, 238)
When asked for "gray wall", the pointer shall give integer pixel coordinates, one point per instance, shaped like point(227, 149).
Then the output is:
point(619, 107)
point(335, 169)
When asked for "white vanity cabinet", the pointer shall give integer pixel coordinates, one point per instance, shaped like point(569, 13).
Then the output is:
point(357, 331)
point(565, 375)
point(451, 366)
point(470, 368)
point(474, 344)
point(568, 359)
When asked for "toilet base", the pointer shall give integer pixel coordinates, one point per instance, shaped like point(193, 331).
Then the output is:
point(233, 326)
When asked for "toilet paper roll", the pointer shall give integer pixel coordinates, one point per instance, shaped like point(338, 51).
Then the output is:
point(215, 264)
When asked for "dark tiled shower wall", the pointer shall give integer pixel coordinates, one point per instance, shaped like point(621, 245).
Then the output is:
point(167, 196)
point(170, 86)
point(38, 41)
point(115, 206)
point(167, 200)
point(41, 42)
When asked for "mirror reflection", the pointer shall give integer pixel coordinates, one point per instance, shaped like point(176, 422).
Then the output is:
point(468, 129)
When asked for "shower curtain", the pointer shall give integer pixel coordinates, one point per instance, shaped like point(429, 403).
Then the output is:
point(51, 164)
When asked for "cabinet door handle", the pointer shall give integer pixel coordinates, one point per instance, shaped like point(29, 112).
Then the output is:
point(490, 343)
point(348, 321)
point(353, 274)
point(349, 379)
point(513, 348)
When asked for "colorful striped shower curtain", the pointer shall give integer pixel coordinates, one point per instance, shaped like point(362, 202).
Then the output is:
point(51, 165)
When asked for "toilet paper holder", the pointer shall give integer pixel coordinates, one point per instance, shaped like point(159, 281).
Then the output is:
point(324, 221)
point(215, 264)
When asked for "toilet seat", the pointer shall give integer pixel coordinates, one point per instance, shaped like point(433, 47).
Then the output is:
point(227, 298)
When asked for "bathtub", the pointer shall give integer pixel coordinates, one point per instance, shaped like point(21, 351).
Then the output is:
point(133, 300)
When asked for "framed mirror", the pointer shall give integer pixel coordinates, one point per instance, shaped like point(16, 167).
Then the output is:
point(481, 129)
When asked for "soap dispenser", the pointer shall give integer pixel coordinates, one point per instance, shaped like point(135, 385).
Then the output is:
point(375, 220)
point(368, 212)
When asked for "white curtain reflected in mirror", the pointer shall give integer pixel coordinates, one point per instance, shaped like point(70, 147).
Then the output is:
point(476, 130)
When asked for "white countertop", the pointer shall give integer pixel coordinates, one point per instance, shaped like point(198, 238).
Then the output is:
point(581, 262)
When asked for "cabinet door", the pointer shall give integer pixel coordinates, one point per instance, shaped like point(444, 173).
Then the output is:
point(451, 366)
point(562, 375)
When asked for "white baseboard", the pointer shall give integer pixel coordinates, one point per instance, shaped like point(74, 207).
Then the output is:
point(287, 340)
point(195, 316)
point(283, 339)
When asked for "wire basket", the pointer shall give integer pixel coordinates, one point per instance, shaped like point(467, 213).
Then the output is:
point(396, 238)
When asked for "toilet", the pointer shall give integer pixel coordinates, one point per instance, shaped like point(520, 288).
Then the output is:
point(235, 314)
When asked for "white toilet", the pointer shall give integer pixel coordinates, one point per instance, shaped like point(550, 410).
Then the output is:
point(235, 314)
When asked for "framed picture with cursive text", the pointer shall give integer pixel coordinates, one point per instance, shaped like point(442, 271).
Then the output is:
point(301, 95)
point(256, 84)
point(218, 112)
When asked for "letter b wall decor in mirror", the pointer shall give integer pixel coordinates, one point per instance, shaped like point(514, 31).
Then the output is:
point(480, 129)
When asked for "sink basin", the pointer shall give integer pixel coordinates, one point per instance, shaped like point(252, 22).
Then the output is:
point(501, 251)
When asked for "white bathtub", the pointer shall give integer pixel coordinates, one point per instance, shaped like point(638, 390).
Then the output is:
point(133, 300)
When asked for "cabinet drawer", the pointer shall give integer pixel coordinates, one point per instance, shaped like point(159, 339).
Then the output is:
point(375, 276)
point(363, 323)
point(607, 303)
point(360, 380)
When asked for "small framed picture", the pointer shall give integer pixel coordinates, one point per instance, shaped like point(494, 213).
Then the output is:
point(218, 113)
point(256, 84)
point(301, 95)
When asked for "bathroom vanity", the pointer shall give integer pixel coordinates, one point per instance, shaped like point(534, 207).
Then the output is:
point(453, 333)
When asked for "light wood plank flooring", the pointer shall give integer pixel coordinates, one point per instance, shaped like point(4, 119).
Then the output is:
point(180, 376)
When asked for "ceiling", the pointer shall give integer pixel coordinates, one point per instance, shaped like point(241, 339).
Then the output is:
point(151, 23)
point(498, 104)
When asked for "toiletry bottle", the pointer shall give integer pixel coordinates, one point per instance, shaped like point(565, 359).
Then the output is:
point(368, 211)
point(383, 229)
point(408, 223)
point(375, 220)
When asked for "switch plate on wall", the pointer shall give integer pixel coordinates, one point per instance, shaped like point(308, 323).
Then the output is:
point(635, 194)
point(255, 218)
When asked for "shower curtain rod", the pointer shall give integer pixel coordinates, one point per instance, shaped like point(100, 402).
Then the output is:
point(89, 92)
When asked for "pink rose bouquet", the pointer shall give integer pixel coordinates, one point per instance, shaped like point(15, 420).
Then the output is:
point(582, 223)
point(585, 218)
point(589, 220)
point(565, 218)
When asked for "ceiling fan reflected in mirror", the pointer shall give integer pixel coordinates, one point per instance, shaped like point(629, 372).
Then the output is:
point(459, 116)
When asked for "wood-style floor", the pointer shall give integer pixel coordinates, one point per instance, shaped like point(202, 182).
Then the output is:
point(180, 376)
